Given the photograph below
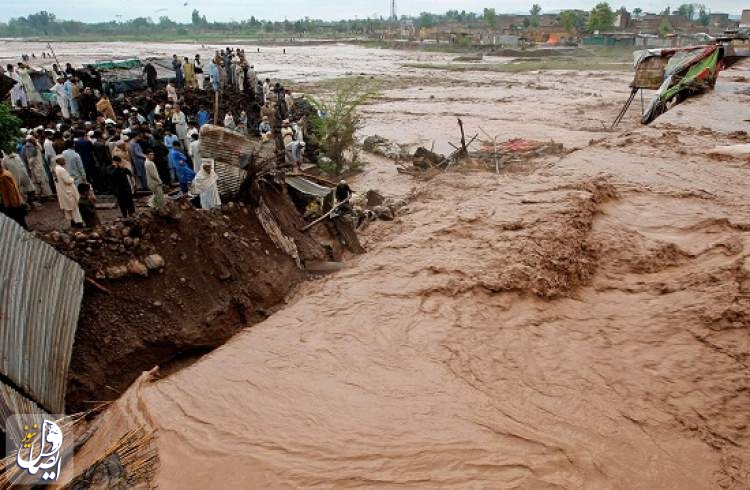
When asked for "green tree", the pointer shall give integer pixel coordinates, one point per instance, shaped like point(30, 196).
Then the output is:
point(637, 12)
point(602, 18)
point(490, 18)
point(535, 11)
point(571, 21)
point(687, 10)
point(703, 15)
point(10, 128)
point(426, 19)
point(665, 28)
point(666, 11)
point(341, 120)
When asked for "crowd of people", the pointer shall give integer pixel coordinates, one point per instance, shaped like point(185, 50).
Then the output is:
point(91, 149)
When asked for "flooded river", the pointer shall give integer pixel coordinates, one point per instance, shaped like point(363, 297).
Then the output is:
point(582, 322)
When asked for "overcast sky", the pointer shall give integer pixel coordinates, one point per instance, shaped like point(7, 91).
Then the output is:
point(103, 10)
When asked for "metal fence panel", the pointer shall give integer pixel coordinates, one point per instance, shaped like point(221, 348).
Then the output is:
point(40, 299)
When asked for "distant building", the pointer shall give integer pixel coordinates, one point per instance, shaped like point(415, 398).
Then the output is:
point(720, 21)
point(622, 20)
point(745, 19)
point(651, 23)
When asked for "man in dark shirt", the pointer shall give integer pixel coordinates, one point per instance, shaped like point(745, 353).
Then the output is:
point(343, 191)
point(102, 162)
point(87, 206)
point(83, 146)
point(122, 188)
point(177, 66)
point(161, 157)
point(150, 73)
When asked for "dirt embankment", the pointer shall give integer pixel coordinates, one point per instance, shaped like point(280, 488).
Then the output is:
point(221, 273)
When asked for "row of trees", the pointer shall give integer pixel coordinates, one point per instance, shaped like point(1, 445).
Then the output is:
point(601, 18)
point(46, 24)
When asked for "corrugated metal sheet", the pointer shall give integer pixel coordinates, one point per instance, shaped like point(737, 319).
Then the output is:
point(13, 403)
point(40, 299)
point(228, 149)
point(306, 186)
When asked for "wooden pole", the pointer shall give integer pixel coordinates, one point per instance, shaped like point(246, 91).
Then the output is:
point(463, 137)
point(326, 215)
point(216, 108)
point(49, 45)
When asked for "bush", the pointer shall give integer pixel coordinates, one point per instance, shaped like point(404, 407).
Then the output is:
point(337, 122)
point(10, 128)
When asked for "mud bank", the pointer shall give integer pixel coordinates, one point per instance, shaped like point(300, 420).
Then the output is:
point(221, 273)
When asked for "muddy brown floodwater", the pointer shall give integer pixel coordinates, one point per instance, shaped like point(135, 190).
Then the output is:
point(581, 322)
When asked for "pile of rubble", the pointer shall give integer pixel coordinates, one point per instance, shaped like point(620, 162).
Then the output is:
point(370, 205)
point(381, 146)
point(103, 248)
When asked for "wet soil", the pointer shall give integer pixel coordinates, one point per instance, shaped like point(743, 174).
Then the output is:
point(221, 274)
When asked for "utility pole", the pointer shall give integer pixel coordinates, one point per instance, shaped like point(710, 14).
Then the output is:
point(394, 17)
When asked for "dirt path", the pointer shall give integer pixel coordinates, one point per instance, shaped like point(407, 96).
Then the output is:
point(581, 326)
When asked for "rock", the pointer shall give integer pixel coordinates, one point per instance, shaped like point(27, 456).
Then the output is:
point(136, 242)
point(230, 205)
point(371, 142)
point(396, 205)
point(383, 212)
point(55, 235)
point(154, 261)
point(100, 274)
point(116, 272)
point(174, 237)
point(94, 236)
point(374, 198)
point(127, 241)
point(125, 231)
point(136, 268)
point(158, 304)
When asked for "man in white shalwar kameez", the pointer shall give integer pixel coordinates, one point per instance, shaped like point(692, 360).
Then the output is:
point(34, 162)
point(206, 185)
point(61, 96)
point(18, 91)
point(32, 96)
point(180, 125)
point(195, 152)
point(67, 194)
